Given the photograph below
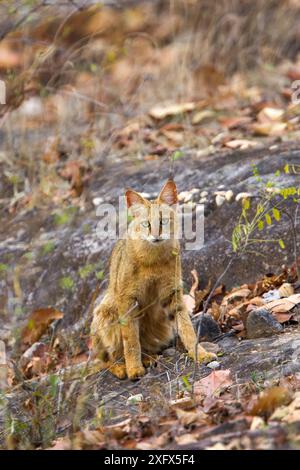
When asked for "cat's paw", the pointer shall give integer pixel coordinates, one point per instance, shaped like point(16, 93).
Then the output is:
point(135, 373)
point(118, 370)
point(203, 356)
point(150, 361)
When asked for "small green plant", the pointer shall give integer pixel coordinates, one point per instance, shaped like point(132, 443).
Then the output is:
point(86, 270)
point(268, 209)
point(66, 283)
point(48, 247)
point(186, 382)
point(3, 269)
point(64, 217)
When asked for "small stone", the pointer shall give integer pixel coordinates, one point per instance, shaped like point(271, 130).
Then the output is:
point(213, 365)
point(242, 196)
point(203, 194)
point(184, 196)
point(261, 323)
point(134, 399)
point(169, 352)
point(209, 328)
point(229, 195)
point(220, 200)
point(203, 200)
point(97, 201)
point(271, 295)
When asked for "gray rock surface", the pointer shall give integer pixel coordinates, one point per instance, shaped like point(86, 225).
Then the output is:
point(261, 323)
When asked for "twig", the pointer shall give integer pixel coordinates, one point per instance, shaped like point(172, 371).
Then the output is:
point(205, 306)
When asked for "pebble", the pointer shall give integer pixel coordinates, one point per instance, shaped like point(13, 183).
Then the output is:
point(229, 195)
point(134, 399)
point(213, 365)
point(220, 200)
point(97, 201)
point(240, 196)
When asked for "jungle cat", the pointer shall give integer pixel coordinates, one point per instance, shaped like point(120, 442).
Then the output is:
point(143, 306)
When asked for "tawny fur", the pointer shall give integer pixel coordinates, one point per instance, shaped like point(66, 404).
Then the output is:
point(143, 306)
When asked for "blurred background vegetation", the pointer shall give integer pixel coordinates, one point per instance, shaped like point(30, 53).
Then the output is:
point(81, 77)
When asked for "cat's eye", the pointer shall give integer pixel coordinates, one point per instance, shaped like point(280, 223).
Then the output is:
point(145, 224)
point(164, 221)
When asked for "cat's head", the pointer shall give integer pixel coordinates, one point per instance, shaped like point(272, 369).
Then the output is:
point(154, 222)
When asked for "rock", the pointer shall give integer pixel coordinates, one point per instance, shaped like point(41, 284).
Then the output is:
point(169, 352)
point(261, 323)
point(220, 200)
point(268, 358)
point(213, 365)
point(209, 328)
point(229, 195)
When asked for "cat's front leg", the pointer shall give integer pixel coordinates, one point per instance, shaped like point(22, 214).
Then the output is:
point(189, 338)
point(175, 308)
point(128, 315)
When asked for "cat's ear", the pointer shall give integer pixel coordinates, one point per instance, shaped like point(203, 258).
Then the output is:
point(168, 194)
point(132, 198)
point(135, 202)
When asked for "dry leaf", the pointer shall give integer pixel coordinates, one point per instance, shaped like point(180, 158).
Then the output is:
point(186, 439)
point(286, 290)
point(213, 384)
point(269, 128)
point(9, 59)
point(189, 299)
point(242, 144)
point(161, 112)
point(283, 305)
point(237, 294)
point(269, 400)
point(203, 116)
point(73, 172)
point(183, 403)
point(186, 418)
point(283, 317)
point(173, 136)
point(234, 122)
point(38, 323)
point(51, 154)
point(268, 114)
